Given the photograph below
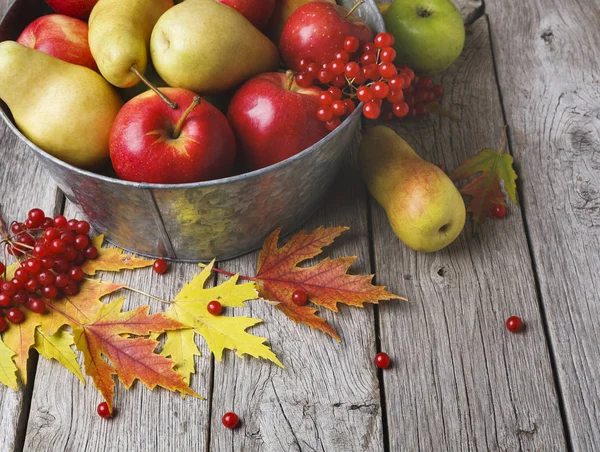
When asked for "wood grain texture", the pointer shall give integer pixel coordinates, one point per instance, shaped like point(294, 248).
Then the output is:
point(23, 186)
point(63, 412)
point(548, 61)
point(460, 381)
point(327, 397)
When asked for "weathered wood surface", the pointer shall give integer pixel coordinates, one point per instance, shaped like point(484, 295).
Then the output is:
point(461, 381)
point(548, 62)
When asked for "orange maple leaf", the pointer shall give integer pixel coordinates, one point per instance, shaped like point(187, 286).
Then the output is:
point(130, 358)
point(326, 283)
point(112, 259)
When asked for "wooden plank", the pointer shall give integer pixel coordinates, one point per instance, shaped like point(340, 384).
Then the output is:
point(548, 62)
point(64, 412)
point(23, 186)
point(327, 398)
point(460, 381)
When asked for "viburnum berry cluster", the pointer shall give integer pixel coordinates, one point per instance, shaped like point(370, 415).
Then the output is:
point(50, 253)
point(369, 76)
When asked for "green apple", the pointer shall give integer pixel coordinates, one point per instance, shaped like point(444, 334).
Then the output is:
point(429, 34)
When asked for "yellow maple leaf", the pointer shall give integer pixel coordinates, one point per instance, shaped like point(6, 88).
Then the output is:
point(20, 338)
point(8, 370)
point(220, 332)
point(112, 259)
point(58, 346)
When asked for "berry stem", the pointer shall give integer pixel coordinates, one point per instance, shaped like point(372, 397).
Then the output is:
point(503, 142)
point(354, 8)
point(184, 116)
point(149, 84)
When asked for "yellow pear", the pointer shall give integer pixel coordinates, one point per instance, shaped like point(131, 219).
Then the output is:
point(65, 109)
point(119, 36)
point(423, 206)
point(208, 47)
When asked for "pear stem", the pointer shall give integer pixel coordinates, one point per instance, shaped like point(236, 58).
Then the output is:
point(149, 84)
point(354, 8)
point(184, 116)
point(290, 79)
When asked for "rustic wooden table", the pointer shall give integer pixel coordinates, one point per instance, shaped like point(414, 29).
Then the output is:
point(459, 381)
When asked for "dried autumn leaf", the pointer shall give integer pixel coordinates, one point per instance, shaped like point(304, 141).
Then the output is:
point(488, 167)
point(220, 332)
point(326, 283)
point(8, 369)
point(58, 346)
point(130, 358)
point(112, 259)
point(20, 338)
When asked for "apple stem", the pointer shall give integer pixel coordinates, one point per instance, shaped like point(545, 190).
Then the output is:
point(149, 84)
point(184, 116)
point(289, 79)
point(354, 8)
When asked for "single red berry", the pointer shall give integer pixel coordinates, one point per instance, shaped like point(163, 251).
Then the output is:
point(369, 47)
point(349, 106)
point(41, 251)
point(395, 96)
point(46, 277)
point(299, 297)
point(61, 280)
point(338, 67)
point(82, 227)
point(368, 58)
point(50, 291)
point(383, 40)
point(325, 98)
point(380, 90)
point(81, 242)
point(214, 307)
point(333, 123)
point(21, 274)
point(20, 297)
point(103, 410)
point(72, 288)
point(351, 44)
point(499, 211)
point(16, 228)
point(387, 70)
point(15, 315)
point(230, 420)
point(37, 216)
point(338, 108)
point(61, 266)
point(371, 110)
point(48, 223)
point(32, 285)
point(58, 246)
point(4, 300)
point(396, 82)
point(514, 324)
point(19, 284)
point(51, 234)
point(312, 69)
point(36, 305)
point(382, 360)
point(33, 265)
point(91, 252)
point(388, 55)
point(325, 76)
point(3, 324)
point(304, 80)
point(160, 266)
point(60, 221)
point(371, 72)
point(352, 70)
point(72, 223)
point(324, 113)
point(364, 94)
point(335, 92)
point(8, 288)
point(68, 237)
point(409, 73)
point(342, 56)
point(76, 274)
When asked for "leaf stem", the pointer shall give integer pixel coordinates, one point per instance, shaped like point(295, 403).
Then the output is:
point(148, 295)
point(225, 272)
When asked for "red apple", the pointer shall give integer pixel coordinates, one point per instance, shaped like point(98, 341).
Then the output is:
point(258, 12)
point(60, 36)
point(152, 142)
point(74, 8)
point(317, 31)
point(273, 119)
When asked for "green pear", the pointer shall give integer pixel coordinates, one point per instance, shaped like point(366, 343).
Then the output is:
point(423, 206)
point(65, 109)
point(119, 36)
point(208, 47)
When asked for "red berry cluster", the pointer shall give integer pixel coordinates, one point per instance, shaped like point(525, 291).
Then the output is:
point(371, 77)
point(51, 251)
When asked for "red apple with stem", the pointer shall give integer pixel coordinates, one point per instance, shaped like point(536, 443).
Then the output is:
point(258, 12)
point(74, 8)
point(317, 30)
point(273, 119)
point(61, 36)
point(152, 142)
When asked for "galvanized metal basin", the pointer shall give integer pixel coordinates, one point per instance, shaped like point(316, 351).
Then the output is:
point(200, 221)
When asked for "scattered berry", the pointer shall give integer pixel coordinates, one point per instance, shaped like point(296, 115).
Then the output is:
point(160, 266)
point(499, 211)
point(299, 297)
point(103, 410)
point(230, 420)
point(214, 307)
point(382, 360)
point(514, 324)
